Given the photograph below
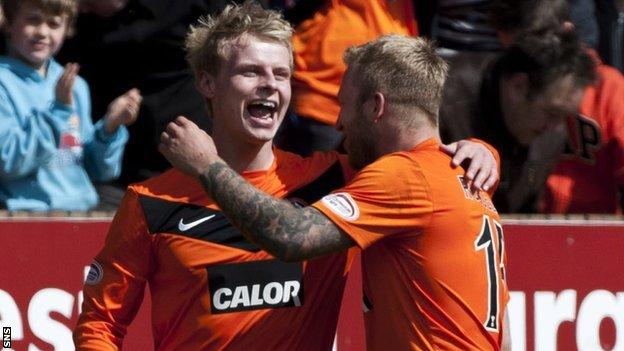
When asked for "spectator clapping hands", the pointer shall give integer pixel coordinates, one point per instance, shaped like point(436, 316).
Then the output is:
point(65, 84)
point(123, 110)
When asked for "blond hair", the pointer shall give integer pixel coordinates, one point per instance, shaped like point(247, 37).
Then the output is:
point(406, 70)
point(207, 43)
point(67, 8)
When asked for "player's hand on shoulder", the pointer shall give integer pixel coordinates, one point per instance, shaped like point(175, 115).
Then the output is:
point(482, 168)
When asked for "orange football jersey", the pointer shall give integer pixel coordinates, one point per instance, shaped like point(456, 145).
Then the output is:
point(433, 253)
point(211, 289)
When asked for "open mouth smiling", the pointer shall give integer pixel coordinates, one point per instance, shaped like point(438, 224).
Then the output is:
point(262, 109)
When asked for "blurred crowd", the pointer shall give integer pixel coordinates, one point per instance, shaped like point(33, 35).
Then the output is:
point(87, 87)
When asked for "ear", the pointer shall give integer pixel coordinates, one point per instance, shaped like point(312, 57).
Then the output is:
point(379, 106)
point(206, 85)
point(518, 84)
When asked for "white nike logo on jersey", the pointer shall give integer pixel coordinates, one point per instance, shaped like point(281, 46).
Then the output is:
point(186, 226)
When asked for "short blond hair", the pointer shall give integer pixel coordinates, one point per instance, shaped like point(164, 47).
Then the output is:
point(67, 8)
point(406, 70)
point(207, 42)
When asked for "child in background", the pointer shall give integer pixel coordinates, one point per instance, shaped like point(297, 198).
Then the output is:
point(49, 148)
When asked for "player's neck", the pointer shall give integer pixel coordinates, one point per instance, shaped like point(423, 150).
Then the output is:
point(407, 141)
point(404, 139)
point(244, 157)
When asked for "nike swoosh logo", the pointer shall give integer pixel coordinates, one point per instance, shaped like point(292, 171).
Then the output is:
point(186, 226)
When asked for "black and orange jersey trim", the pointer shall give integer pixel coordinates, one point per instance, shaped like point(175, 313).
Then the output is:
point(211, 289)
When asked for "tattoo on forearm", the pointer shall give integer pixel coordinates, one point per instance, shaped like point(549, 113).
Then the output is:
point(287, 232)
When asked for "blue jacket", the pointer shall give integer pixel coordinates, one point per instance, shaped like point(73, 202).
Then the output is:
point(50, 152)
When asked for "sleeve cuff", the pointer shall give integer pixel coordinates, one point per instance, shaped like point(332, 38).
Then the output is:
point(61, 107)
point(119, 136)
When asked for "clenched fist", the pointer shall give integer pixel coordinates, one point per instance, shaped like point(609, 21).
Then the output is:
point(187, 147)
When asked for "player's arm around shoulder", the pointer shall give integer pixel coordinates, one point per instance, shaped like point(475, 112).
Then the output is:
point(285, 231)
point(288, 232)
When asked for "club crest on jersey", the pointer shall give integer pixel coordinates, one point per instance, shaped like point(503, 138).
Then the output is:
point(343, 205)
point(255, 285)
point(95, 274)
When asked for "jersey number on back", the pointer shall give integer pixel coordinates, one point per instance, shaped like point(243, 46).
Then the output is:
point(494, 261)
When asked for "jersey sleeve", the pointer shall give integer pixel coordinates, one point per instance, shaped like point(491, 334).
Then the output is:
point(389, 197)
point(114, 287)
